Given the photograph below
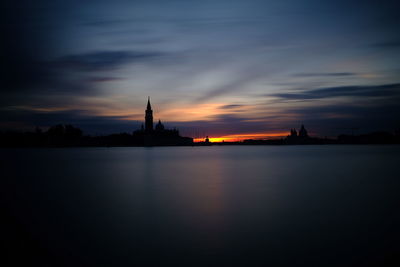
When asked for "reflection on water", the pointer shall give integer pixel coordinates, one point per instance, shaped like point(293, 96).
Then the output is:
point(202, 206)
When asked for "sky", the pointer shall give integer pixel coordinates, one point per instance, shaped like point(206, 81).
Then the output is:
point(228, 69)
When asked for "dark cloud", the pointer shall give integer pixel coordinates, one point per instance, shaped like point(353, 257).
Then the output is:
point(75, 75)
point(325, 74)
point(104, 22)
point(104, 79)
point(27, 73)
point(387, 44)
point(387, 90)
point(231, 106)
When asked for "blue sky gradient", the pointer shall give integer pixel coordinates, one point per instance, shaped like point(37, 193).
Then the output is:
point(211, 67)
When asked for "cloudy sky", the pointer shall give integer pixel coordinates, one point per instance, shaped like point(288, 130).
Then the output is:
point(218, 68)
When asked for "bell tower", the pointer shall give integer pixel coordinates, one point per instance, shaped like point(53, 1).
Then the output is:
point(148, 125)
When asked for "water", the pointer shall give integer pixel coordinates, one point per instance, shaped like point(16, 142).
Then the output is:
point(202, 206)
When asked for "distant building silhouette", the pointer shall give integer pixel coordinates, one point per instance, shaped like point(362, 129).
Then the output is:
point(303, 132)
point(298, 138)
point(159, 126)
point(148, 117)
point(293, 133)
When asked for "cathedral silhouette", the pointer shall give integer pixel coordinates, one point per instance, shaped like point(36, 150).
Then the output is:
point(148, 117)
point(158, 135)
point(148, 120)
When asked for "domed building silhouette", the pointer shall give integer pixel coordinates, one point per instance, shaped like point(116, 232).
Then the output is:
point(298, 137)
point(303, 132)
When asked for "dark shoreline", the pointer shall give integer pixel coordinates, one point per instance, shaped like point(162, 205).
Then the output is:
point(69, 136)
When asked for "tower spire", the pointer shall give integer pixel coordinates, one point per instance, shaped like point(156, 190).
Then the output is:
point(148, 103)
point(148, 117)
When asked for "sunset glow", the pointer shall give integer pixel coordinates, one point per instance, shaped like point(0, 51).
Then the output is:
point(241, 137)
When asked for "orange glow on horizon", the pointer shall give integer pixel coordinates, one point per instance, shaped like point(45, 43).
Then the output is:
point(203, 112)
point(241, 137)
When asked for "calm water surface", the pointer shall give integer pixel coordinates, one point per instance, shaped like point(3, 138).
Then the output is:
point(202, 206)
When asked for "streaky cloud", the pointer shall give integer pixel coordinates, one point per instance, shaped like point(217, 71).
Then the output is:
point(325, 74)
point(104, 60)
point(233, 106)
point(386, 90)
point(235, 84)
point(104, 79)
point(387, 44)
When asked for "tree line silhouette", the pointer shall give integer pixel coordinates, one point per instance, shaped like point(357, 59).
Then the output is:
point(70, 136)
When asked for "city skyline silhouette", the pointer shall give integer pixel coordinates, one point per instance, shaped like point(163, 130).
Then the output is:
point(159, 135)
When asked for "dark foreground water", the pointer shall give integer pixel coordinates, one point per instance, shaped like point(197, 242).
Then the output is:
point(201, 206)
